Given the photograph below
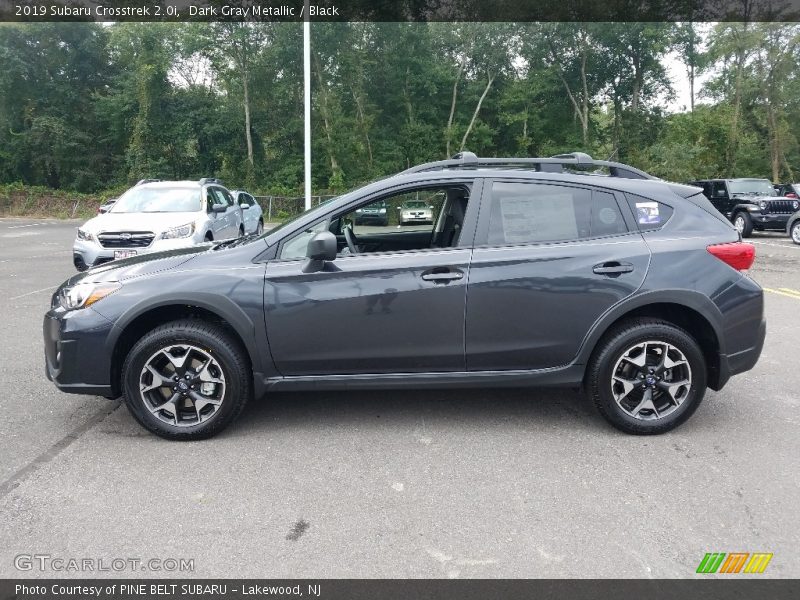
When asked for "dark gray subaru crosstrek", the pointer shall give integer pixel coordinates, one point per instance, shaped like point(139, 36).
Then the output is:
point(535, 272)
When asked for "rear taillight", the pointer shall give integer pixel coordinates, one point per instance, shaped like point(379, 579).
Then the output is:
point(738, 255)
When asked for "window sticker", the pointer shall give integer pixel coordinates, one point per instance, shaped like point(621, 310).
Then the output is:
point(543, 218)
point(647, 213)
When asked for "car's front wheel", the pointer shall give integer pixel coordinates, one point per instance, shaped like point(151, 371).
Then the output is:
point(743, 224)
point(186, 380)
point(794, 232)
point(647, 376)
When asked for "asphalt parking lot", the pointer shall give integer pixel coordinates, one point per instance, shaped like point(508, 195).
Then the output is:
point(508, 483)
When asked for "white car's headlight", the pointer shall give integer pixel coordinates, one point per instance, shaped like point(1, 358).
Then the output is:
point(85, 294)
point(178, 232)
point(85, 236)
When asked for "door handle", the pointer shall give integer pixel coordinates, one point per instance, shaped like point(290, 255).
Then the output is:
point(612, 268)
point(442, 275)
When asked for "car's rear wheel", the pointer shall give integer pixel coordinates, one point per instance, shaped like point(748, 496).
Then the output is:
point(743, 224)
point(186, 380)
point(794, 232)
point(647, 376)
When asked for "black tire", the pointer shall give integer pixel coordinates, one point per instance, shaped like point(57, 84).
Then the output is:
point(220, 345)
point(794, 232)
point(79, 263)
point(746, 226)
point(209, 237)
point(609, 353)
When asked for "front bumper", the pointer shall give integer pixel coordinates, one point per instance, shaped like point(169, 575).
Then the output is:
point(776, 221)
point(92, 254)
point(76, 360)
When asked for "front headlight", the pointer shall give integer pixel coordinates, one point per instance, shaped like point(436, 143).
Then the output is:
point(795, 205)
point(85, 294)
point(178, 232)
point(85, 236)
point(382, 211)
point(762, 205)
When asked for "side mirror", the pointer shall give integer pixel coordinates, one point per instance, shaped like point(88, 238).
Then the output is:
point(321, 249)
point(244, 206)
point(219, 208)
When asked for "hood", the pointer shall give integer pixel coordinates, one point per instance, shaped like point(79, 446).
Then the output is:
point(137, 266)
point(155, 222)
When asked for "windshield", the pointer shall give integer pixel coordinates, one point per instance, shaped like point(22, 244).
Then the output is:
point(415, 204)
point(757, 187)
point(158, 200)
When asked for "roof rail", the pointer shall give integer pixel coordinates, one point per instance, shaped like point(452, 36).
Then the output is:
point(554, 164)
point(143, 181)
point(206, 180)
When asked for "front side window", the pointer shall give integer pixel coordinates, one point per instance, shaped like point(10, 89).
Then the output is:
point(527, 213)
point(296, 246)
point(223, 197)
point(718, 189)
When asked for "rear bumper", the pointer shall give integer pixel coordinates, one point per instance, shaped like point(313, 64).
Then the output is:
point(75, 357)
point(744, 360)
point(744, 329)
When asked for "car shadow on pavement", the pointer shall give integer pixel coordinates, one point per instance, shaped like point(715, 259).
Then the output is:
point(484, 408)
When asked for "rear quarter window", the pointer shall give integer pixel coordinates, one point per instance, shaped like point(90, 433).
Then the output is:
point(649, 214)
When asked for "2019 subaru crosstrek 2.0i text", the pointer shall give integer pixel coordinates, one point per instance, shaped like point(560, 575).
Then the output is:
point(533, 273)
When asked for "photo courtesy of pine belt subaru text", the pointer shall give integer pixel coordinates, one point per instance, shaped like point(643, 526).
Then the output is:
point(154, 216)
point(561, 271)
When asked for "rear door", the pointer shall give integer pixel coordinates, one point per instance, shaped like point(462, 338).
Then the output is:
point(549, 260)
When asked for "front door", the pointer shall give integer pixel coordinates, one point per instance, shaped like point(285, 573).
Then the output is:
point(393, 303)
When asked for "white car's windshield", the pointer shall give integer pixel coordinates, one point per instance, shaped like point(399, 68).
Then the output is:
point(156, 200)
point(759, 187)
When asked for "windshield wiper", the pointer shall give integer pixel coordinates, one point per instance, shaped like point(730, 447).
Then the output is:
point(236, 241)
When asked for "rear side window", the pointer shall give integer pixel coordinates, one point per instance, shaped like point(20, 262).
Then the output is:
point(649, 213)
point(527, 213)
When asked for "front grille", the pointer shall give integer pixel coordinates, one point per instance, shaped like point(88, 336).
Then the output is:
point(780, 206)
point(126, 239)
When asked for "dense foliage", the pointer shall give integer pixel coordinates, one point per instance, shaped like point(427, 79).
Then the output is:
point(88, 107)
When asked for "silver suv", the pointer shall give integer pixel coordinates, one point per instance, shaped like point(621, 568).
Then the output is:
point(158, 215)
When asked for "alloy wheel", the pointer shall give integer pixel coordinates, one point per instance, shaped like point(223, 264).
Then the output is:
point(796, 233)
point(738, 223)
point(651, 380)
point(182, 385)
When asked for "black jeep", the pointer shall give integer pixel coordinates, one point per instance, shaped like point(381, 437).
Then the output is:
point(750, 204)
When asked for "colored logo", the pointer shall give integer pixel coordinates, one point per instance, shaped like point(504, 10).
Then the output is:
point(734, 562)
